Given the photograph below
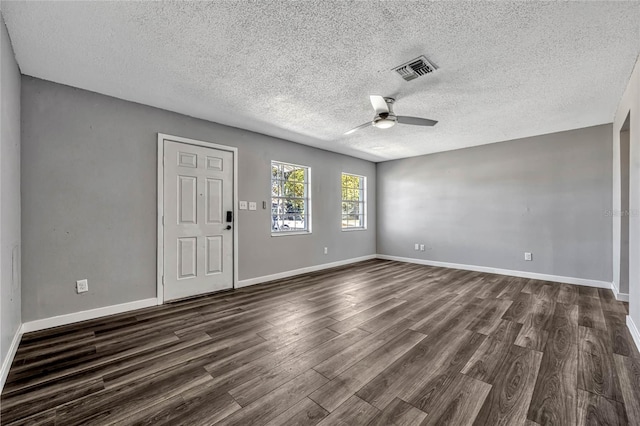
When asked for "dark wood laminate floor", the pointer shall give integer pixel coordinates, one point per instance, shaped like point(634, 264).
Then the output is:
point(374, 343)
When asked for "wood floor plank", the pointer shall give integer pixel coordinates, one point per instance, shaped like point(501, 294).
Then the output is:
point(422, 389)
point(399, 413)
point(430, 305)
point(18, 408)
point(114, 405)
point(381, 390)
point(486, 362)
point(460, 403)
point(534, 333)
point(97, 367)
point(590, 311)
point(512, 289)
point(508, 401)
point(248, 392)
point(490, 316)
point(608, 302)
point(340, 362)
point(196, 355)
point(564, 323)
point(342, 387)
point(353, 411)
point(273, 404)
point(629, 373)
point(459, 316)
point(597, 410)
point(568, 294)
point(305, 412)
point(585, 291)
point(200, 408)
point(378, 342)
point(519, 309)
point(355, 320)
point(596, 369)
point(554, 399)
point(619, 335)
point(42, 418)
point(165, 412)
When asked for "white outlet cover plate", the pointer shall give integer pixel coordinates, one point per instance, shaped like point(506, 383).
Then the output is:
point(243, 205)
point(252, 205)
point(82, 286)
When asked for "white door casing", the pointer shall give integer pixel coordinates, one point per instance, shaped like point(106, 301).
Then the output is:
point(198, 208)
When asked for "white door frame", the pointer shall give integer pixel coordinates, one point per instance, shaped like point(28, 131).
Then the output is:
point(160, 243)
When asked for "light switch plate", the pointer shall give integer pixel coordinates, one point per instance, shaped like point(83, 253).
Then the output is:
point(243, 205)
point(252, 205)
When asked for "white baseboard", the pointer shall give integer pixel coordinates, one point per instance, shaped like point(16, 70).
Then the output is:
point(521, 274)
point(622, 297)
point(291, 273)
point(87, 315)
point(8, 360)
point(634, 331)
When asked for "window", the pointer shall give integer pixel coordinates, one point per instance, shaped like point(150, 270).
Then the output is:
point(290, 198)
point(353, 202)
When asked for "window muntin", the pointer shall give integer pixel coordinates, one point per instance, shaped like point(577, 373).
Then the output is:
point(290, 198)
point(353, 201)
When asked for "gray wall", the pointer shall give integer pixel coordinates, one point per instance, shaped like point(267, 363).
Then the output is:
point(89, 199)
point(9, 193)
point(629, 107)
point(487, 205)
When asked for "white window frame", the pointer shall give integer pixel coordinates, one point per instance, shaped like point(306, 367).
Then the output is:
point(363, 202)
point(307, 199)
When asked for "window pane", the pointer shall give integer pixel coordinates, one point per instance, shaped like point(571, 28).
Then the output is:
point(290, 196)
point(353, 201)
point(294, 189)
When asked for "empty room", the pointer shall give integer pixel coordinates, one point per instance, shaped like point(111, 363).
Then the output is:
point(320, 213)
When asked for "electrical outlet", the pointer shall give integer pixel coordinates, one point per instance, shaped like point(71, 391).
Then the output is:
point(243, 205)
point(326, 250)
point(82, 286)
point(527, 256)
point(252, 205)
point(416, 246)
point(421, 247)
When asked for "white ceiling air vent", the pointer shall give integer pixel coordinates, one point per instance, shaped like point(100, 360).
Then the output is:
point(415, 68)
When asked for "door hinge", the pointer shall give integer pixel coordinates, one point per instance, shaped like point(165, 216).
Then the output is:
point(162, 220)
point(163, 280)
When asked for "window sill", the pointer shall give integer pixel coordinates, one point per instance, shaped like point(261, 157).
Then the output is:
point(353, 229)
point(287, 233)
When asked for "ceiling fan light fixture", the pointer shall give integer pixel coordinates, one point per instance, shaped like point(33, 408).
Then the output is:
point(384, 123)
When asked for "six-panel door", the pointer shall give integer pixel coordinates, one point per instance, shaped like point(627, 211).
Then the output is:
point(198, 240)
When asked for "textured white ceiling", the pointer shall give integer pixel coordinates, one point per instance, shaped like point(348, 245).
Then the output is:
point(303, 71)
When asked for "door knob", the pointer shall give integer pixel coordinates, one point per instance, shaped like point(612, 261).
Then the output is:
point(228, 227)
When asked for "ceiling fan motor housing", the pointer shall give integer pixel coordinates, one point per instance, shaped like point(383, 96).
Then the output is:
point(385, 120)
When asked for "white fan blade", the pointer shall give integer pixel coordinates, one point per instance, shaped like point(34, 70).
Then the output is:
point(379, 104)
point(362, 126)
point(416, 121)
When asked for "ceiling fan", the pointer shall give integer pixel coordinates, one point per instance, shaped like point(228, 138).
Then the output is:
point(386, 118)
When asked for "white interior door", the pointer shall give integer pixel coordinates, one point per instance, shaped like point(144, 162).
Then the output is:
point(198, 220)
